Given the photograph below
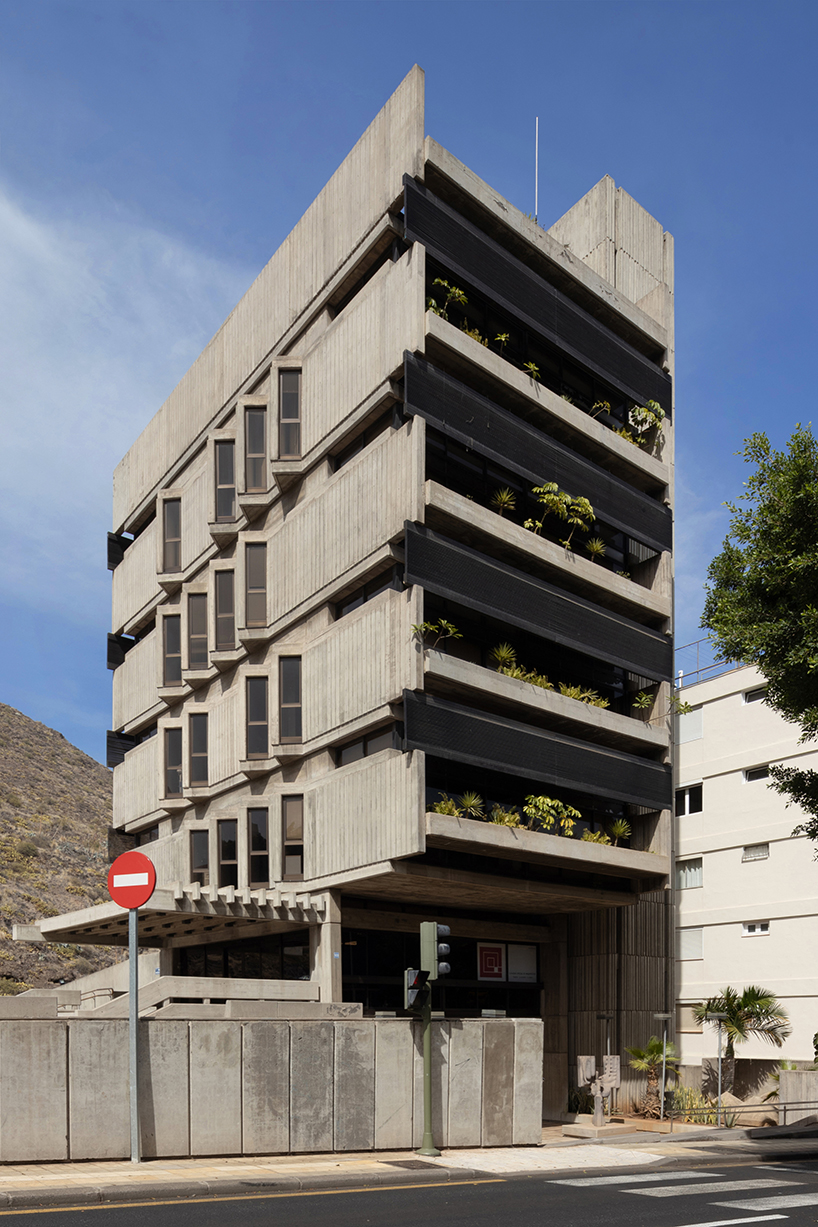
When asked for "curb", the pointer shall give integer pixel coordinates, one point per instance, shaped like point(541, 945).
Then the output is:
point(177, 1190)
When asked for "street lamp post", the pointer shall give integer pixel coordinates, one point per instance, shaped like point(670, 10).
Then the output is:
point(718, 1019)
point(608, 1019)
point(663, 1018)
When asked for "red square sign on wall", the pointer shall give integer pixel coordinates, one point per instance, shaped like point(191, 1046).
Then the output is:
point(491, 961)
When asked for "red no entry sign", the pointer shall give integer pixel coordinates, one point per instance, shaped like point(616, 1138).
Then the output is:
point(131, 879)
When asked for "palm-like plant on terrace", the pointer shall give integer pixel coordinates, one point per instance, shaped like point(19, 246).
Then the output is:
point(753, 1011)
point(648, 1061)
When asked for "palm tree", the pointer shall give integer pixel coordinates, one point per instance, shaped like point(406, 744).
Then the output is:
point(754, 1011)
point(649, 1061)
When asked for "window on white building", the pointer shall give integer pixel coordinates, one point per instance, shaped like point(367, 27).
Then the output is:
point(756, 852)
point(755, 928)
point(689, 944)
point(755, 696)
point(689, 800)
point(689, 873)
point(756, 773)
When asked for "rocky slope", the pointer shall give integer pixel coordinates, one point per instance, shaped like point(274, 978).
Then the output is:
point(55, 810)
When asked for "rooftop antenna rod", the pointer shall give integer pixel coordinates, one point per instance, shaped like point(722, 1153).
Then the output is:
point(536, 167)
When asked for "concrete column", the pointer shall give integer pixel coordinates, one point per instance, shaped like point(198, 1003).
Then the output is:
point(325, 950)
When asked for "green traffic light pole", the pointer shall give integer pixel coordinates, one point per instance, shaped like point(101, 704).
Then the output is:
point(429, 949)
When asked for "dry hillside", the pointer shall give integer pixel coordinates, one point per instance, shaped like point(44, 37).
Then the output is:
point(55, 810)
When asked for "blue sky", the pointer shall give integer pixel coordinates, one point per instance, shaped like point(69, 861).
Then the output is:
point(154, 155)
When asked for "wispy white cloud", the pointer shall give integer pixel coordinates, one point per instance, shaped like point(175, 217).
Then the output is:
point(99, 319)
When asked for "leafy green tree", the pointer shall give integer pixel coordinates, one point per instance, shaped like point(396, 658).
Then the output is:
point(753, 1011)
point(648, 1061)
point(762, 593)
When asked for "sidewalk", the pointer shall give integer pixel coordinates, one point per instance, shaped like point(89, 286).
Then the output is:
point(25, 1185)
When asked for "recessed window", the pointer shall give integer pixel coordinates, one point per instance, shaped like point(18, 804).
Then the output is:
point(689, 873)
point(289, 399)
point(363, 747)
point(755, 696)
point(361, 440)
point(172, 634)
point(689, 800)
point(755, 928)
point(257, 722)
point(197, 631)
point(368, 592)
point(225, 612)
point(148, 836)
point(173, 762)
point(689, 944)
point(255, 449)
point(199, 858)
point(225, 480)
point(172, 535)
point(255, 608)
point(756, 773)
point(198, 749)
point(290, 698)
point(292, 820)
point(756, 852)
point(259, 848)
point(228, 853)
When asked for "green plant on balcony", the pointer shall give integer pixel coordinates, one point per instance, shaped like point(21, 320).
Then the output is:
point(503, 499)
point(620, 828)
point(583, 695)
point(471, 804)
point(441, 630)
point(502, 337)
point(676, 706)
point(601, 406)
point(533, 370)
point(504, 656)
point(546, 813)
point(452, 294)
point(577, 512)
point(643, 419)
point(447, 805)
point(474, 334)
point(504, 817)
point(595, 837)
point(597, 548)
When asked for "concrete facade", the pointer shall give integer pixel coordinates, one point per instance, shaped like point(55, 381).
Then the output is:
point(747, 889)
point(266, 587)
point(266, 1087)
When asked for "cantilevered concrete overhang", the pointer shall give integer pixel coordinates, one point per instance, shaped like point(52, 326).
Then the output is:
point(184, 916)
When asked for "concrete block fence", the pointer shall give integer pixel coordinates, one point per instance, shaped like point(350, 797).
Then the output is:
point(265, 1087)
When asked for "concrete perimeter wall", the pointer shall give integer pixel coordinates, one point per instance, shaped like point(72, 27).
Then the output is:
point(266, 1087)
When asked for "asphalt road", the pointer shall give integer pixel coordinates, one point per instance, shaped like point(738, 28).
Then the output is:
point(711, 1195)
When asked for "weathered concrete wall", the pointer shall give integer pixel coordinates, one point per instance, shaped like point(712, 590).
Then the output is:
point(219, 1087)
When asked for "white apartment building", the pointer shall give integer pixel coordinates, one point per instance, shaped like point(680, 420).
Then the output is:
point(746, 888)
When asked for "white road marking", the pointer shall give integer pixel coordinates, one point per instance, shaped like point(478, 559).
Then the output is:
point(784, 1202)
point(584, 1182)
point(728, 1222)
point(724, 1186)
point(131, 879)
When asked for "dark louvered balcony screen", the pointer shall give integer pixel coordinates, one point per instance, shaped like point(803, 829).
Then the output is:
point(503, 278)
point(460, 574)
point(448, 730)
point(493, 432)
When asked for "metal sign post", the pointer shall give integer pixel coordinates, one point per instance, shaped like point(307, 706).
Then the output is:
point(131, 882)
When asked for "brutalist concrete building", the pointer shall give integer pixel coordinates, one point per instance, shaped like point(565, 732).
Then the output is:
point(354, 508)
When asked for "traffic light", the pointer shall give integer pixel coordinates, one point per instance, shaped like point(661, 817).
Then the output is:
point(413, 984)
point(432, 949)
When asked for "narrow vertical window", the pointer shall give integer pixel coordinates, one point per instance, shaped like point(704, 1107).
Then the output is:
point(290, 698)
point(255, 450)
point(257, 727)
point(292, 821)
point(255, 608)
point(197, 631)
point(225, 480)
point(198, 749)
point(228, 859)
point(289, 399)
point(199, 858)
point(259, 860)
point(225, 611)
point(172, 534)
point(173, 762)
point(172, 632)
